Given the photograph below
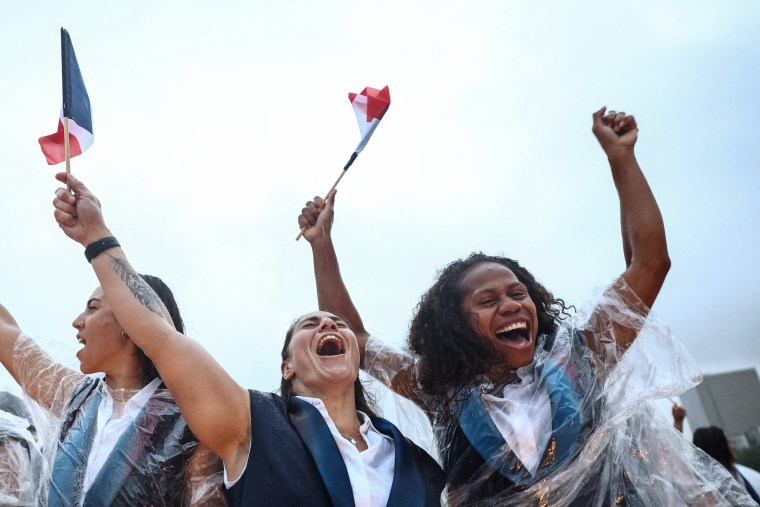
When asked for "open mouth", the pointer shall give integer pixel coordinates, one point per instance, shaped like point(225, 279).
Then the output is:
point(330, 345)
point(515, 334)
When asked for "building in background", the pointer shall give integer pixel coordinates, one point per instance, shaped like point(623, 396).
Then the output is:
point(730, 401)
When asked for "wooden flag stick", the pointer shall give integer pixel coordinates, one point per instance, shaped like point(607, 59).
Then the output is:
point(67, 148)
point(342, 173)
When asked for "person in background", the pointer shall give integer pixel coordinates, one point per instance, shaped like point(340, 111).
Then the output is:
point(20, 458)
point(714, 442)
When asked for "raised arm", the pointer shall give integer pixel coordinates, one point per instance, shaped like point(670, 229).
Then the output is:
point(45, 381)
point(644, 245)
point(216, 408)
point(316, 221)
point(389, 365)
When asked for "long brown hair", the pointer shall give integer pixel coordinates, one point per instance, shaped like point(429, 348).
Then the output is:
point(149, 371)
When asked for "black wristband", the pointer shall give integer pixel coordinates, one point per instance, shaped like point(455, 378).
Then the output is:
point(97, 247)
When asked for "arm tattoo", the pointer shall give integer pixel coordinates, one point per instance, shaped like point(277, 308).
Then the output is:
point(139, 288)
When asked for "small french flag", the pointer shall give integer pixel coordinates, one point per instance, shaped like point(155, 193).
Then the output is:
point(369, 106)
point(76, 107)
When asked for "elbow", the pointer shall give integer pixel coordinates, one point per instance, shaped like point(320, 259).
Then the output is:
point(662, 266)
point(652, 267)
point(659, 266)
point(152, 341)
point(666, 263)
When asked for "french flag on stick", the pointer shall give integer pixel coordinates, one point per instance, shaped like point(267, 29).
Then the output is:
point(369, 106)
point(74, 134)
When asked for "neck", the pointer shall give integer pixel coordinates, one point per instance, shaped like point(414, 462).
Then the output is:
point(125, 372)
point(341, 405)
point(343, 414)
point(124, 380)
point(502, 374)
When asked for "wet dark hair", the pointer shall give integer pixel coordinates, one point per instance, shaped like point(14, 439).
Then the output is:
point(149, 371)
point(452, 355)
point(364, 401)
point(713, 441)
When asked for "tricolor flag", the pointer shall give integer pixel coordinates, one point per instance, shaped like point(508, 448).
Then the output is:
point(76, 107)
point(370, 107)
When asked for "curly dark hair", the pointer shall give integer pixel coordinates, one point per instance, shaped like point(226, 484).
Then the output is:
point(364, 400)
point(452, 355)
point(165, 294)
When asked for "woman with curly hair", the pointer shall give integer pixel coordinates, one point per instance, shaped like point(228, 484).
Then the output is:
point(517, 390)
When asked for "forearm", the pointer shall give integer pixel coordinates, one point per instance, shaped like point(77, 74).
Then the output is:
point(136, 306)
point(643, 230)
point(215, 407)
point(332, 294)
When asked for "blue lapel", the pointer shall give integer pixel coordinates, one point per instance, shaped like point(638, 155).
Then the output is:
point(485, 438)
point(71, 459)
point(566, 412)
point(310, 425)
point(126, 454)
point(408, 487)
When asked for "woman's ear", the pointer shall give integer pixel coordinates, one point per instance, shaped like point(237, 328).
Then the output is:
point(287, 372)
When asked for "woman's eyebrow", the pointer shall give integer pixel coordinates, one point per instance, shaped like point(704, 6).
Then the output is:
point(484, 290)
point(309, 319)
point(315, 319)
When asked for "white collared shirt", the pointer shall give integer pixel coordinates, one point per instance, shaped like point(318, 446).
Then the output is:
point(370, 472)
point(522, 414)
point(108, 431)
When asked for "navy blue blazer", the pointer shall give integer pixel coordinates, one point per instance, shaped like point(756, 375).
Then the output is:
point(294, 461)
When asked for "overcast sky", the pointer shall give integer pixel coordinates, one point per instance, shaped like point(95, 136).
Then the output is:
point(215, 122)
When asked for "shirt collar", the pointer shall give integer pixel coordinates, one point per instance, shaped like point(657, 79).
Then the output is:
point(133, 406)
point(365, 427)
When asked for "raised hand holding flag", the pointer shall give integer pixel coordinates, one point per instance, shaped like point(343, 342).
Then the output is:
point(369, 106)
point(74, 133)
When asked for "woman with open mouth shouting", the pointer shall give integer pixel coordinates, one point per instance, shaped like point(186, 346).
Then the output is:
point(531, 405)
point(318, 444)
point(115, 440)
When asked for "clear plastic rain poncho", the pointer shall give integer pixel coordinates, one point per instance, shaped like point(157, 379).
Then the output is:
point(575, 427)
point(153, 459)
point(20, 460)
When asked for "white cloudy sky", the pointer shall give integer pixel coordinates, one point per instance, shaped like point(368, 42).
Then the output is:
point(215, 122)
